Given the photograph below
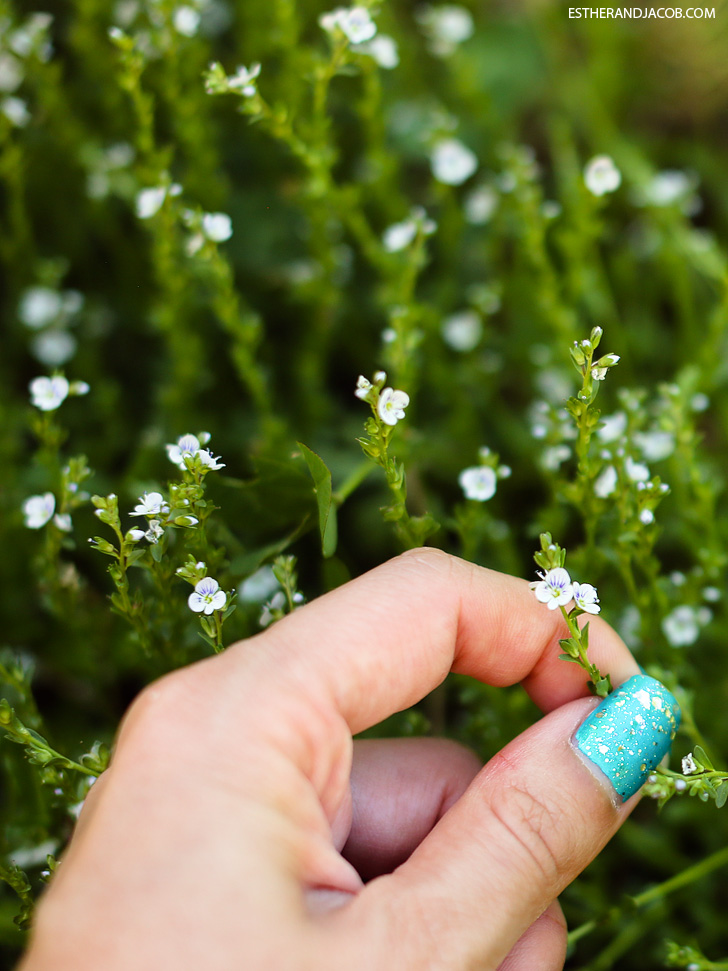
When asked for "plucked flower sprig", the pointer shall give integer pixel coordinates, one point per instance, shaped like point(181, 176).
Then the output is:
point(556, 589)
point(388, 408)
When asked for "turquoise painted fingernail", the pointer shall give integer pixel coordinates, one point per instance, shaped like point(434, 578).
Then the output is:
point(630, 732)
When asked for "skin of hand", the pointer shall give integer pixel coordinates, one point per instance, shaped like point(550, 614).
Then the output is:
point(238, 821)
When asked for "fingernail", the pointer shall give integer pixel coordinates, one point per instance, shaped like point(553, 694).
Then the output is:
point(630, 732)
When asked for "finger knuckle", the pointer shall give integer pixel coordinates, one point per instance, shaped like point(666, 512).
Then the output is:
point(527, 830)
point(159, 710)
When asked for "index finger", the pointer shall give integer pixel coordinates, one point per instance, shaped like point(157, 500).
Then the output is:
point(382, 642)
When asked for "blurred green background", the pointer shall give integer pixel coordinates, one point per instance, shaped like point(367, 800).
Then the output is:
point(260, 339)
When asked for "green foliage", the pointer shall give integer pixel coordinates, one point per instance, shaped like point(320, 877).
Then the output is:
point(225, 247)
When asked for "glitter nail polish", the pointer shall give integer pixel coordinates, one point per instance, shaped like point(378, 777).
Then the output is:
point(629, 733)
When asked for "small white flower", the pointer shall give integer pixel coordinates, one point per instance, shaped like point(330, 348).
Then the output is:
point(39, 306)
point(187, 445)
point(647, 517)
point(217, 226)
point(480, 205)
point(554, 589)
point(63, 522)
point(688, 764)
point(47, 394)
point(668, 187)
point(208, 461)
point(478, 483)
point(244, 80)
point(186, 20)
point(151, 504)
point(380, 377)
point(550, 209)
point(11, 73)
point(38, 510)
point(446, 26)
point(585, 597)
point(135, 535)
point(712, 594)
point(149, 201)
point(363, 387)
point(655, 445)
point(383, 49)
point(612, 427)
point(601, 175)
point(599, 373)
point(636, 471)
point(452, 162)
point(462, 331)
point(79, 388)
point(681, 626)
point(276, 603)
point(355, 22)
point(398, 236)
point(391, 405)
point(16, 111)
point(187, 521)
point(606, 482)
point(259, 586)
point(155, 532)
point(54, 347)
point(207, 597)
point(554, 456)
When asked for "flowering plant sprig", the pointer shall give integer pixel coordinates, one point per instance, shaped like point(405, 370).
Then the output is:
point(39, 752)
point(698, 778)
point(388, 408)
point(17, 880)
point(183, 507)
point(556, 589)
point(690, 958)
point(288, 598)
point(593, 372)
point(208, 600)
point(479, 484)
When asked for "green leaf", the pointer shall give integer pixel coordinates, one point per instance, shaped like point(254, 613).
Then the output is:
point(568, 657)
point(700, 756)
point(326, 507)
point(722, 795)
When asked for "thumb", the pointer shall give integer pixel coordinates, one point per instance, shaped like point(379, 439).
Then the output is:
point(528, 824)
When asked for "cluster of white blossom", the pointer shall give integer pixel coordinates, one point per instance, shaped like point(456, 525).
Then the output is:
point(452, 162)
point(48, 313)
point(400, 235)
point(601, 175)
point(18, 45)
point(390, 404)
point(557, 589)
point(479, 482)
point(445, 26)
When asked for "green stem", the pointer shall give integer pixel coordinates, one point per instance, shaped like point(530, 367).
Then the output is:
point(680, 880)
point(356, 478)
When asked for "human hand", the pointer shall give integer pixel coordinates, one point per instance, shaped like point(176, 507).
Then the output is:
point(214, 840)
